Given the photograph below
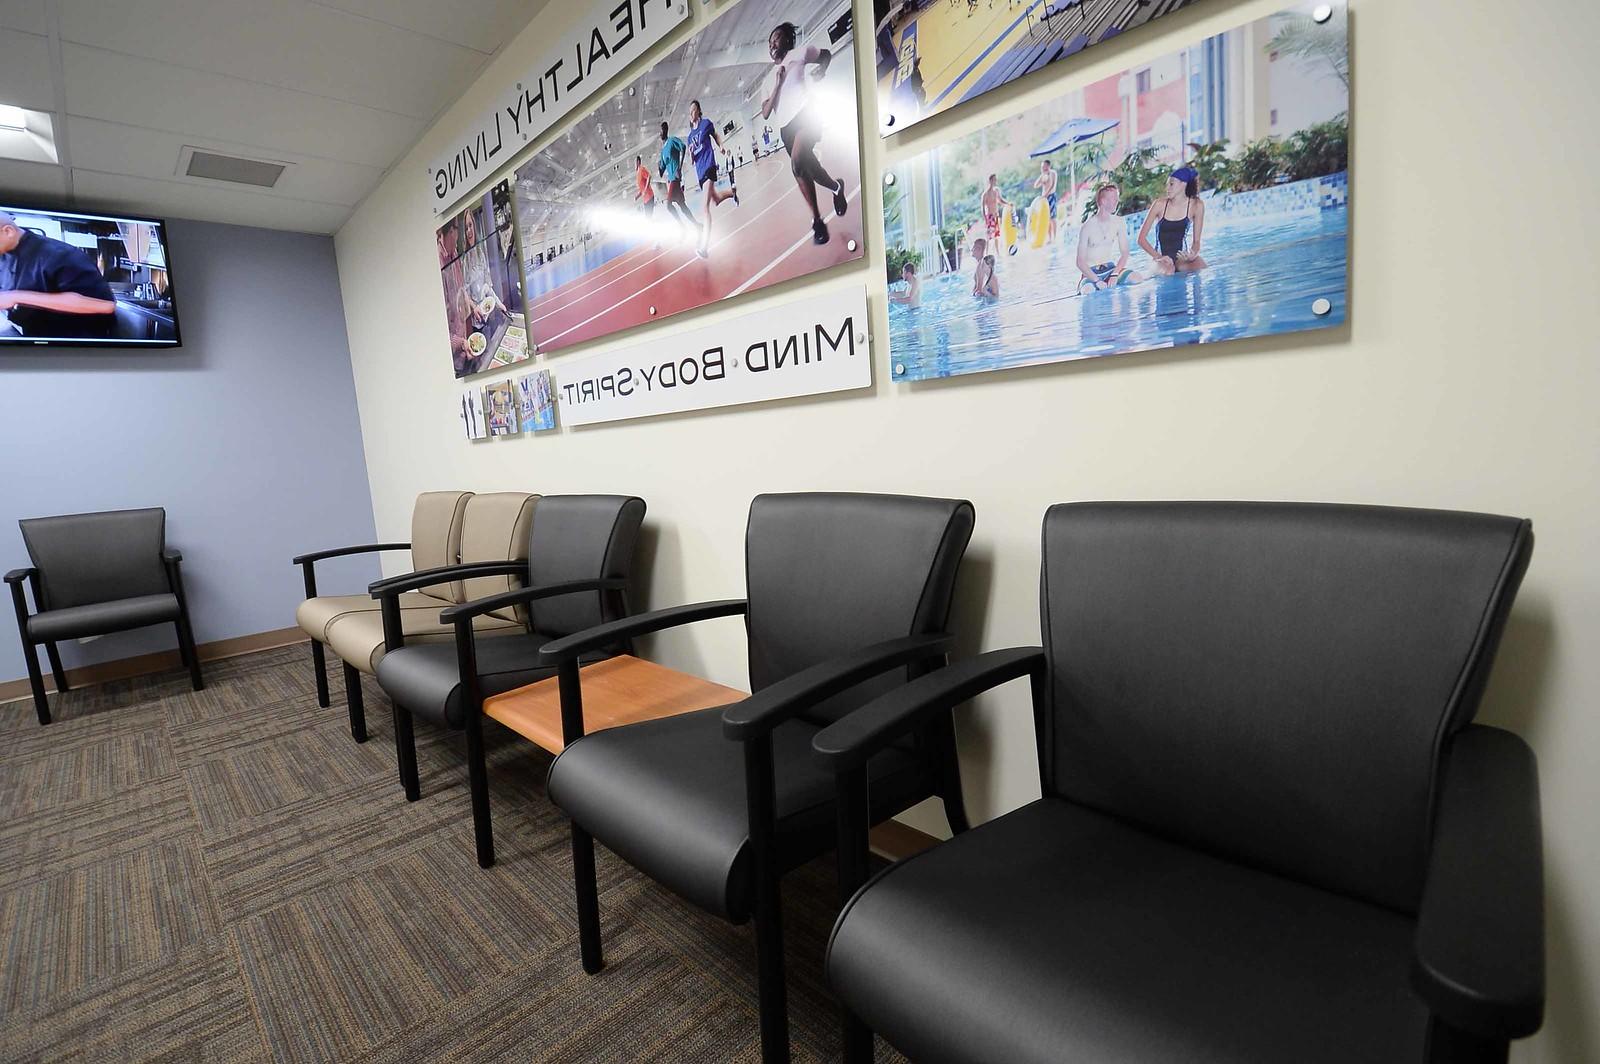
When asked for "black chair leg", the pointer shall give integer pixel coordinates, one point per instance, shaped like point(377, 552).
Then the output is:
point(771, 991)
point(352, 698)
point(41, 705)
point(191, 657)
point(588, 899)
point(478, 784)
point(858, 1045)
point(319, 665)
point(56, 670)
point(405, 752)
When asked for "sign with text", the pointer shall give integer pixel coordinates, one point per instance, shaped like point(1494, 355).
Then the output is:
point(610, 35)
point(808, 347)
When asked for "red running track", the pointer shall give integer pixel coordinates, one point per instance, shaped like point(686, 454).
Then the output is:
point(764, 240)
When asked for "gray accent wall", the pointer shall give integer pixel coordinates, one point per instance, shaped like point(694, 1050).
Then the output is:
point(247, 434)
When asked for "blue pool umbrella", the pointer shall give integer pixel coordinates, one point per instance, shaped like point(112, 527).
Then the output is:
point(1071, 132)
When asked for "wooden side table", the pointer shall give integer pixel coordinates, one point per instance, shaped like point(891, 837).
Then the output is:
point(616, 691)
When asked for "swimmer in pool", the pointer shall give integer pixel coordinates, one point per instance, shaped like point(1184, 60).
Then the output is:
point(1103, 245)
point(984, 282)
point(1179, 218)
point(1046, 184)
point(912, 296)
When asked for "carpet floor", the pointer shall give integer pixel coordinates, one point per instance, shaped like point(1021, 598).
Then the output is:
point(226, 876)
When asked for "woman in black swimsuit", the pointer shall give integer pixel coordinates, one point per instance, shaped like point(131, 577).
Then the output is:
point(1179, 219)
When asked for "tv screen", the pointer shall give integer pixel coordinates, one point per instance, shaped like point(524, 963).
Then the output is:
point(84, 280)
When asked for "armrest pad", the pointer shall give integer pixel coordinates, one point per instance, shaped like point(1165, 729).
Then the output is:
point(855, 737)
point(773, 705)
point(16, 576)
point(477, 607)
point(604, 635)
point(171, 554)
point(338, 552)
point(1479, 960)
point(393, 585)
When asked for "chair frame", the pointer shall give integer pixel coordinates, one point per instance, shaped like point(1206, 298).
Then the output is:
point(319, 660)
point(751, 723)
point(1479, 956)
point(171, 560)
point(460, 618)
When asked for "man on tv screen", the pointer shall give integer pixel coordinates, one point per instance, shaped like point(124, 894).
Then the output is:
point(50, 289)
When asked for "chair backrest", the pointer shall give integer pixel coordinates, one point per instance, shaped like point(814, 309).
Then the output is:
point(830, 573)
point(436, 535)
point(581, 537)
point(1270, 682)
point(87, 558)
point(494, 528)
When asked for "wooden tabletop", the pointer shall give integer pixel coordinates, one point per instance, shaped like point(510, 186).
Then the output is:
point(616, 691)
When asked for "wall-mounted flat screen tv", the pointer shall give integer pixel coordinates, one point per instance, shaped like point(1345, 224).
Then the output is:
point(82, 280)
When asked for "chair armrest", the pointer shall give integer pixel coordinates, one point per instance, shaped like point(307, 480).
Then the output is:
point(393, 585)
point(773, 705)
point(604, 635)
point(477, 607)
point(171, 554)
point(17, 576)
point(855, 737)
point(339, 552)
point(1479, 961)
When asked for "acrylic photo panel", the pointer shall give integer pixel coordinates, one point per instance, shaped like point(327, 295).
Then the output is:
point(483, 284)
point(473, 424)
point(536, 401)
point(500, 408)
point(622, 225)
point(932, 55)
point(1197, 196)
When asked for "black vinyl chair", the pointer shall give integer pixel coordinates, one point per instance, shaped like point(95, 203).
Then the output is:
point(1269, 830)
point(846, 593)
point(580, 561)
point(94, 574)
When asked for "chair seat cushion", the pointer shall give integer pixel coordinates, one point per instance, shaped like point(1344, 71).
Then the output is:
point(315, 614)
point(426, 678)
point(1058, 933)
point(98, 618)
point(668, 796)
point(358, 637)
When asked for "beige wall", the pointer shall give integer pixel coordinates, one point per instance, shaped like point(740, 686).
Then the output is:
point(1467, 378)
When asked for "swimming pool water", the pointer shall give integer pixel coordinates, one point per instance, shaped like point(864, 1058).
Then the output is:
point(1262, 277)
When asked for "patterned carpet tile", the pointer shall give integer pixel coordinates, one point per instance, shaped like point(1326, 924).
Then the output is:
point(63, 933)
point(191, 1007)
point(86, 768)
point(52, 840)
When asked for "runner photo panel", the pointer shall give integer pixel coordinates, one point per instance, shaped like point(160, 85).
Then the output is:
point(932, 55)
point(483, 284)
point(732, 164)
point(1198, 196)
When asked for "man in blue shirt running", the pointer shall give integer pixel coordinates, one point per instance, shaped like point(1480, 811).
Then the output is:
point(670, 167)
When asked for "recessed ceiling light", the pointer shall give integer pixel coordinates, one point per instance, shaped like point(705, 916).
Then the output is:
point(12, 117)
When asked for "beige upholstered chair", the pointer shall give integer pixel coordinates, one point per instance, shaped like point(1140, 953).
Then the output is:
point(447, 528)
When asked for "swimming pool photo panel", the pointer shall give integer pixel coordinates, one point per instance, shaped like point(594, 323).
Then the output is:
point(732, 164)
point(1199, 196)
point(932, 55)
point(483, 284)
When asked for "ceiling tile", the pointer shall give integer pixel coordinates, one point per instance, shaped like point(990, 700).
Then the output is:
point(25, 71)
point(25, 15)
point(312, 48)
point(482, 25)
point(22, 180)
point(173, 199)
point(132, 91)
point(114, 148)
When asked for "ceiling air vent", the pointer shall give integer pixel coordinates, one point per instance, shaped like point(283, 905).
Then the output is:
point(214, 167)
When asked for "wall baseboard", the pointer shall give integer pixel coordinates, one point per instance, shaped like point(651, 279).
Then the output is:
point(160, 661)
point(897, 841)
